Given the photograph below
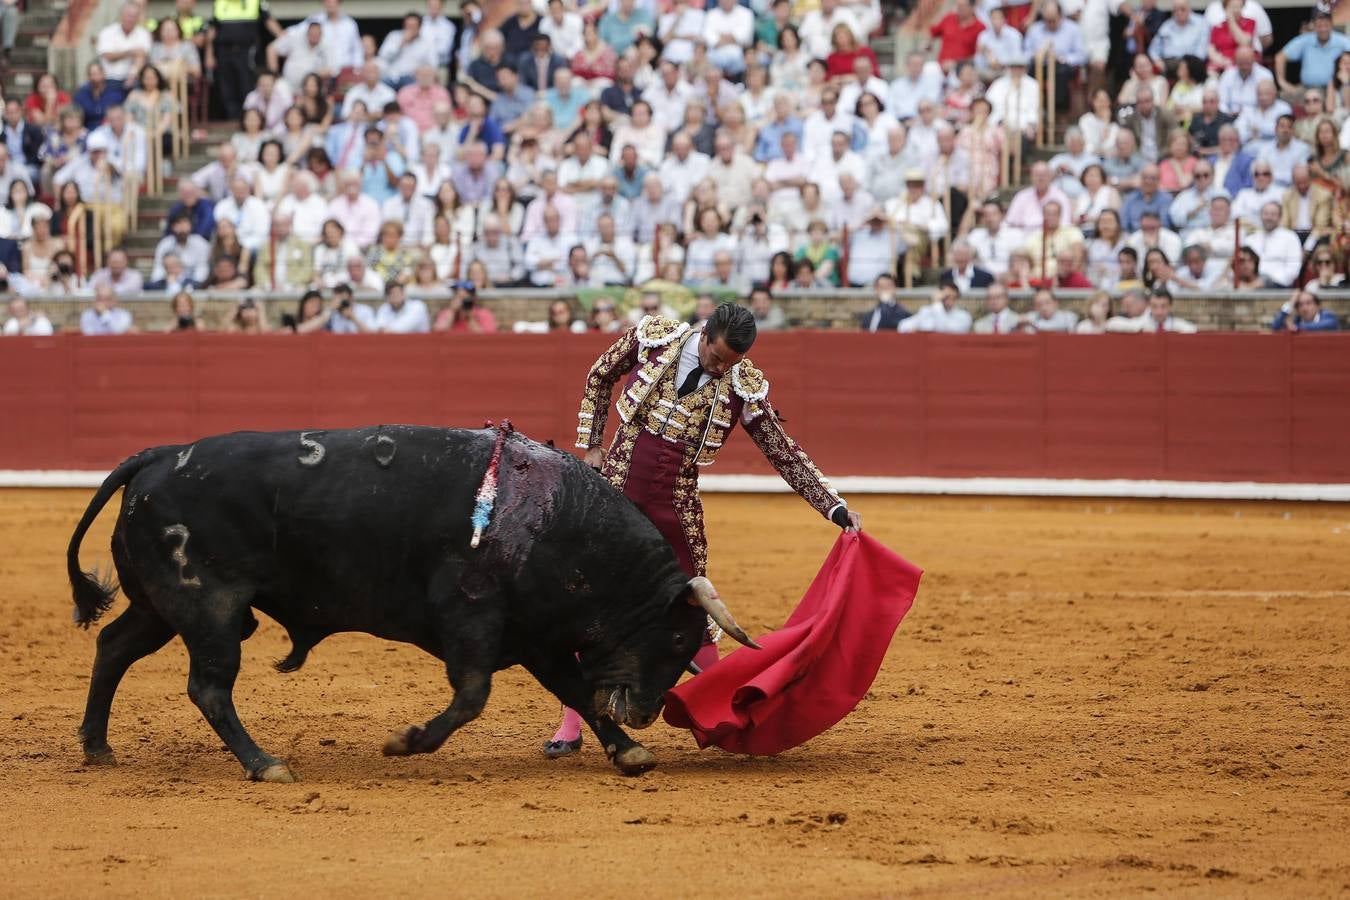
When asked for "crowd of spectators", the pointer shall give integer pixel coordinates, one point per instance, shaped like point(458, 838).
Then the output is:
point(661, 145)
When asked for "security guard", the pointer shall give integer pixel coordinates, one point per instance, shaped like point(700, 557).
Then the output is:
point(232, 42)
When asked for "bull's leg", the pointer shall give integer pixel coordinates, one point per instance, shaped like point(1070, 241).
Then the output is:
point(213, 650)
point(470, 650)
point(561, 675)
point(136, 633)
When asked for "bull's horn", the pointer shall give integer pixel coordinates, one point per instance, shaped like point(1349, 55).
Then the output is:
point(705, 595)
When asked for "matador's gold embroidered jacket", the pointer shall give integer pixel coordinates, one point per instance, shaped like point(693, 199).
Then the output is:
point(649, 355)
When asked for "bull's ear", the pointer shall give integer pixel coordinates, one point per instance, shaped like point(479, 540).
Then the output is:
point(684, 595)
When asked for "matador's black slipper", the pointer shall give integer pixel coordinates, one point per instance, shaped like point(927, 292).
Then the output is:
point(556, 749)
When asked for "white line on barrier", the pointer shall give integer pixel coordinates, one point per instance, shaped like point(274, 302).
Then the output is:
point(862, 484)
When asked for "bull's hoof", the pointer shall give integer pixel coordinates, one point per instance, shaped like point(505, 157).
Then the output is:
point(634, 760)
point(99, 758)
point(276, 773)
point(403, 741)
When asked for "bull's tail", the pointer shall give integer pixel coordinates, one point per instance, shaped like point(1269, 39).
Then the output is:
point(94, 592)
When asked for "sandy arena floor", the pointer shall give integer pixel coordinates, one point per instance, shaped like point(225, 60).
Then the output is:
point(1088, 699)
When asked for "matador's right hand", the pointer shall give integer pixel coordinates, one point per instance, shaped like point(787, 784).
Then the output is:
point(595, 457)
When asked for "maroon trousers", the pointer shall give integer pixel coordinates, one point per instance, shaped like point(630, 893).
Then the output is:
point(655, 485)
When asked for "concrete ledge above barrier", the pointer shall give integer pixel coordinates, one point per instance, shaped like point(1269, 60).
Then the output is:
point(837, 309)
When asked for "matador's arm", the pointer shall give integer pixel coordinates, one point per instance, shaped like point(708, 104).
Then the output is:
point(612, 365)
point(786, 455)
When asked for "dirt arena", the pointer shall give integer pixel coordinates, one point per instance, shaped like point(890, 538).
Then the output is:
point(1088, 698)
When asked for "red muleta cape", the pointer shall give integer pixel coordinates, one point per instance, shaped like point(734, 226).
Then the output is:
point(811, 672)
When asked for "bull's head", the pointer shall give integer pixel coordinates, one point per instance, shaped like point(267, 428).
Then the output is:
point(633, 691)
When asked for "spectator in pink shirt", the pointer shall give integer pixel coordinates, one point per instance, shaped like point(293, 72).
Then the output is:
point(358, 214)
point(419, 99)
point(1024, 213)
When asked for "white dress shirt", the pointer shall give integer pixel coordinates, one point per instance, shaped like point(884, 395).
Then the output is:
point(1281, 255)
point(411, 318)
point(938, 318)
point(416, 215)
point(251, 220)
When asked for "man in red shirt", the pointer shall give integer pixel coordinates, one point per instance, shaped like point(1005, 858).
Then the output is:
point(959, 30)
point(1068, 273)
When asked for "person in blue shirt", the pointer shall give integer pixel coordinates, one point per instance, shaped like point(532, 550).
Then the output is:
point(513, 98)
point(1304, 312)
point(97, 95)
point(483, 128)
point(1148, 198)
point(769, 142)
point(1316, 51)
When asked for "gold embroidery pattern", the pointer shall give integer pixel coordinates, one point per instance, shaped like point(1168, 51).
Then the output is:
point(689, 509)
point(612, 364)
point(792, 463)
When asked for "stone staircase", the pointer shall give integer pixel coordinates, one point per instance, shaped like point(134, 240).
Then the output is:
point(29, 58)
point(149, 226)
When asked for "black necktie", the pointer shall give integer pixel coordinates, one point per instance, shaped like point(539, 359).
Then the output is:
point(691, 381)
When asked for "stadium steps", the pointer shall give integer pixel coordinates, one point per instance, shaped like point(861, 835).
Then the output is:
point(29, 58)
point(140, 241)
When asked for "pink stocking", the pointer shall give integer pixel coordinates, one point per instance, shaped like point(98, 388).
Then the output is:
point(570, 729)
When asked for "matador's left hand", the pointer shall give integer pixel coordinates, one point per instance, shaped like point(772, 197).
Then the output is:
point(854, 522)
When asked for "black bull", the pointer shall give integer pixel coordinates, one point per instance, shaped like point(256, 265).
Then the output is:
point(368, 530)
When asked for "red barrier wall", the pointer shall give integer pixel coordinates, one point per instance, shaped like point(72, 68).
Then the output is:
point(1193, 407)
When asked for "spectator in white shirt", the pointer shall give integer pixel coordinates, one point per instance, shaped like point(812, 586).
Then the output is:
point(998, 45)
point(403, 51)
point(370, 91)
point(105, 316)
point(683, 168)
point(581, 173)
point(1015, 99)
point(412, 209)
point(192, 250)
point(728, 30)
point(942, 315)
point(827, 170)
point(123, 46)
point(24, 323)
point(994, 244)
point(304, 52)
point(1046, 315)
point(252, 223)
point(1238, 83)
point(306, 210)
point(921, 80)
point(873, 249)
point(1283, 152)
point(546, 253)
point(439, 31)
point(1256, 123)
point(1248, 203)
point(1160, 316)
point(919, 218)
point(1280, 250)
point(399, 315)
point(819, 128)
point(818, 25)
point(563, 28)
point(339, 32)
point(117, 274)
point(613, 256)
point(125, 141)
